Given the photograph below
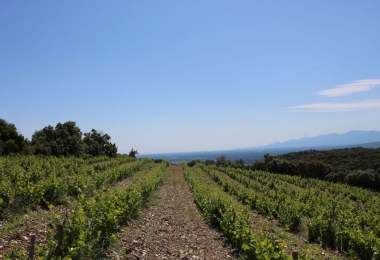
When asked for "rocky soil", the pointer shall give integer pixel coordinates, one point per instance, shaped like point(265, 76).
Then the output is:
point(172, 227)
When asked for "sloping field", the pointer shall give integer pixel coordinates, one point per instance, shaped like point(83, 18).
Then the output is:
point(125, 209)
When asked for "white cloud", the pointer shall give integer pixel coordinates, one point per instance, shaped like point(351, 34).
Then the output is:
point(353, 87)
point(336, 107)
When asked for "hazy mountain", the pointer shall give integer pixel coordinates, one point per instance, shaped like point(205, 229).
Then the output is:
point(370, 145)
point(347, 139)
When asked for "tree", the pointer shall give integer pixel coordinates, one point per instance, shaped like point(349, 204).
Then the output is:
point(209, 162)
point(364, 178)
point(193, 162)
point(222, 161)
point(10, 140)
point(239, 163)
point(313, 169)
point(69, 139)
point(63, 140)
point(110, 149)
point(133, 153)
point(267, 158)
point(44, 141)
point(98, 143)
point(259, 165)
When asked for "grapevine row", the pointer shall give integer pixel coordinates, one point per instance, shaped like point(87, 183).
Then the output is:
point(31, 181)
point(232, 217)
point(333, 218)
point(89, 229)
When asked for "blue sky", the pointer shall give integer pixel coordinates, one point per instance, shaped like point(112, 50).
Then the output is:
point(175, 76)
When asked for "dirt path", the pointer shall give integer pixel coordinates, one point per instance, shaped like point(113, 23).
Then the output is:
point(172, 228)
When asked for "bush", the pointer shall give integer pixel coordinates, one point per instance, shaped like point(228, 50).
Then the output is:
point(364, 178)
point(193, 162)
point(313, 169)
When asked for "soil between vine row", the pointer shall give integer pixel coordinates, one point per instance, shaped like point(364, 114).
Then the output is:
point(171, 227)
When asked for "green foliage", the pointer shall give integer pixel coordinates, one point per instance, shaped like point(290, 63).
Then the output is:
point(355, 166)
point(232, 218)
point(239, 163)
point(209, 162)
point(29, 181)
point(98, 144)
point(11, 142)
point(364, 178)
point(283, 208)
point(63, 140)
point(16, 253)
point(90, 226)
point(193, 162)
point(339, 216)
point(222, 161)
point(313, 169)
point(280, 166)
point(340, 160)
point(133, 153)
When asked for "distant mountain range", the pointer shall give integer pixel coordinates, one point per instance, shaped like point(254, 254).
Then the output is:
point(366, 139)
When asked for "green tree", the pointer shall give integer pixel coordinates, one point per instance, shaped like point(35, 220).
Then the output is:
point(364, 178)
point(313, 169)
point(69, 139)
point(239, 163)
point(63, 140)
point(258, 165)
point(222, 161)
point(10, 140)
point(98, 143)
point(44, 141)
point(209, 162)
point(133, 153)
point(267, 158)
point(193, 162)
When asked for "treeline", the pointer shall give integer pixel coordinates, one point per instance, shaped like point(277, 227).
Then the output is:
point(221, 161)
point(343, 160)
point(354, 166)
point(63, 140)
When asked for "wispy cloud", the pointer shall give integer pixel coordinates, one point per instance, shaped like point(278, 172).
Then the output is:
point(353, 87)
point(336, 107)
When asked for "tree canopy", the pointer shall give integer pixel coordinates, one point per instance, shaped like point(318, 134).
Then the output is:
point(10, 140)
point(98, 143)
point(355, 166)
point(222, 161)
point(65, 139)
point(133, 153)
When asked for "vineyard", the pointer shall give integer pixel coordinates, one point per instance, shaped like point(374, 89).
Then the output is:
point(101, 208)
point(84, 202)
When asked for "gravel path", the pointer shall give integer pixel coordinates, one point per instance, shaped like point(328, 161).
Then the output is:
point(172, 227)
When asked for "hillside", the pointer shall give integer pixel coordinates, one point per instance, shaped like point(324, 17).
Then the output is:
point(342, 160)
point(355, 166)
point(122, 208)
